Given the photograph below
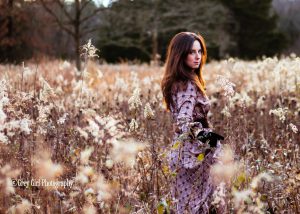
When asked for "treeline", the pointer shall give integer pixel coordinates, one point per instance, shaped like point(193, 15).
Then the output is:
point(138, 29)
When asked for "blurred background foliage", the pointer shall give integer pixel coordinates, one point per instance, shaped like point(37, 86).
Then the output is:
point(141, 29)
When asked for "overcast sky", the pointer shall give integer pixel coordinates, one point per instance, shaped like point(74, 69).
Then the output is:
point(104, 2)
point(98, 2)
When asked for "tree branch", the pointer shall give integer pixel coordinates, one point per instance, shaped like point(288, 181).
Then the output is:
point(89, 31)
point(63, 8)
point(60, 23)
point(84, 5)
point(92, 14)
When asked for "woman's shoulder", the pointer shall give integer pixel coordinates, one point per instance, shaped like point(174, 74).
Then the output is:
point(184, 89)
point(191, 86)
point(183, 86)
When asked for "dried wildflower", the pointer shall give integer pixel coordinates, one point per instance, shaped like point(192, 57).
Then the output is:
point(125, 151)
point(89, 50)
point(2, 116)
point(62, 119)
point(148, 112)
point(84, 173)
point(240, 196)
point(108, 122)
point(99, 74)
point(3, 88)
point(64, 65)
point(227, 86)
point(89, 191)
point(242, 99)
point(47, 90)
point(85, 74)
point(89, 112)
point(258, 178)
point(85, 155)
point(87, 170)
point(7, 172)
point(93, 128)
point(134, 101)
point(45, 168)
point(109, 163)
point(48, 170)
point(89, 209)
point(44, 112)
point(226, 167)
point(219, 195)
point(134, 79)
point(279, 112)
point(24, 125)
point(156, 87)
point(82, 178)
point(260, 101)
point(120, 83)
point(4, 101)
point(133, 126)
point(239, 67)
point(3, 138)
point(226, 112)
point(259, 207)
point(294, 128)
point(23, 207)
point(26, 71)
point(231, 60)
point(104, 190)
point(147, 81)
point(110, 125)
point(82, 133)
point(11, 127)
point(293, 55)
point(9, 187)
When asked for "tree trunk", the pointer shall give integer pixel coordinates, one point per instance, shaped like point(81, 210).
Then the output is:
point(77, 52)
point(77, 35)
point(154, 45)
point(154, 33)
point(10, 19)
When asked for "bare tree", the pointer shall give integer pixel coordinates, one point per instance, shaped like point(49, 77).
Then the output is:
point(73, 20)
point(14, 43)
point(149, 24)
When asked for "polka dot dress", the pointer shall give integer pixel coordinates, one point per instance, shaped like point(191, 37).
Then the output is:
point(192, 186)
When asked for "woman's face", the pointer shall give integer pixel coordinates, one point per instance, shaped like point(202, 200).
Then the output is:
point(193, 59)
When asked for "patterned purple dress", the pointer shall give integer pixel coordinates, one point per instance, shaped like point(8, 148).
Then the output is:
point(192, 186)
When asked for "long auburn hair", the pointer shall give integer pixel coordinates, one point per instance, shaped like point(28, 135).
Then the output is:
point(176, 71)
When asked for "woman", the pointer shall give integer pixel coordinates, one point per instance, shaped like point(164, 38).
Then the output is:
point(190, 158)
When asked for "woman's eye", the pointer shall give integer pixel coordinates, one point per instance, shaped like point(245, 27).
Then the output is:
point(194, 52)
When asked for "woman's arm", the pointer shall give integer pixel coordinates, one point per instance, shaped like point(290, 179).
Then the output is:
point(186, 100)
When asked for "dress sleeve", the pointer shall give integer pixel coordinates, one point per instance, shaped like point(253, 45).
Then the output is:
point(185, 105)
point(186, 101)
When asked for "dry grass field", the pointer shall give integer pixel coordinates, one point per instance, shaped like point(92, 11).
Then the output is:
point(96, 141)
